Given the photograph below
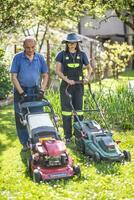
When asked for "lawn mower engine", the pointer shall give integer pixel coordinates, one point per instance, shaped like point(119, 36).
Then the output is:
point(49, 160)
point(96, 143)
point(50, 153)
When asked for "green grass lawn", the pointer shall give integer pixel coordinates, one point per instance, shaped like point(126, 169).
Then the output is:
point(112, 84)
point(101, 181)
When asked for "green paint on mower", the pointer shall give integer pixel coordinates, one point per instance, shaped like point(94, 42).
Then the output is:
point(99, 145)
point(94, 141)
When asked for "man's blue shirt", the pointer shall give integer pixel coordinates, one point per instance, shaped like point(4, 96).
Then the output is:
point(28, 72)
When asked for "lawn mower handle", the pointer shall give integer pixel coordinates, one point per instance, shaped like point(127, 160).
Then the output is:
point(33, 96)
point(44, 102)
point(34, 103)
point(93, 97)
point(70, 98)
point(66, 91)
point(97, 106)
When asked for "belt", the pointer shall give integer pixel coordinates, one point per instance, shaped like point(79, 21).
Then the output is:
point(34, 87)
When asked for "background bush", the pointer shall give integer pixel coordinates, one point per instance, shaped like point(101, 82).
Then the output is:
point(113, 59)
point(116, 105)
point(5, 83)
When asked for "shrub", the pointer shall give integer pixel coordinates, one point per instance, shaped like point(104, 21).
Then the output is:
point(113, 59)
point(117, 106)
point(5, 83)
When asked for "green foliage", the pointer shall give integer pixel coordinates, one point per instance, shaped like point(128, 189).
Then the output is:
point(116, 105)
point(123, 9)
point(12, 13)
point(45, 15)
point(119, 108)
point(54, 97)
point(5, 83)
point(53, 53)
point(114, 59)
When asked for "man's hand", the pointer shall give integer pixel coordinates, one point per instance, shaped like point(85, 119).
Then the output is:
point(23, 96)
point(40, 94)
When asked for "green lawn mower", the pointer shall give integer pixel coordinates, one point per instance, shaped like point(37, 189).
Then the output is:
point(92, 140)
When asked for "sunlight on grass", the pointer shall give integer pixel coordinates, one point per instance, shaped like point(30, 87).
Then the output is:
point(98, 181)
point(112, 84)
point(128, 74)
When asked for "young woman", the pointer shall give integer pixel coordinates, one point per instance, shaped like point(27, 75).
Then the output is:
point(69, 67)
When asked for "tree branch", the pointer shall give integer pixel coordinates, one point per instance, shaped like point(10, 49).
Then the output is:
point(43, 38)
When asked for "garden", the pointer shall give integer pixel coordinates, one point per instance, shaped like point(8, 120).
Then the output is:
point(102, 180)
point(111, 57)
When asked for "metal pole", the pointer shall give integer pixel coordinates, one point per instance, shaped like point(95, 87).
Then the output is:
point(15, 49)
point(48, 61)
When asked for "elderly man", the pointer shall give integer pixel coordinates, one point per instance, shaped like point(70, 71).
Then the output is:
point(29, 75)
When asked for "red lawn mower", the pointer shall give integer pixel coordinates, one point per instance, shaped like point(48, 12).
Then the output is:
point(49, 158)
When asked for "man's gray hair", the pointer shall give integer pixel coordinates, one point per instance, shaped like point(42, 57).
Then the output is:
point(28, 38)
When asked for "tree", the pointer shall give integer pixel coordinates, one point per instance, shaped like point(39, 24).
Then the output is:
point(45, 15)
point(123, 8)
point(12, 13)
